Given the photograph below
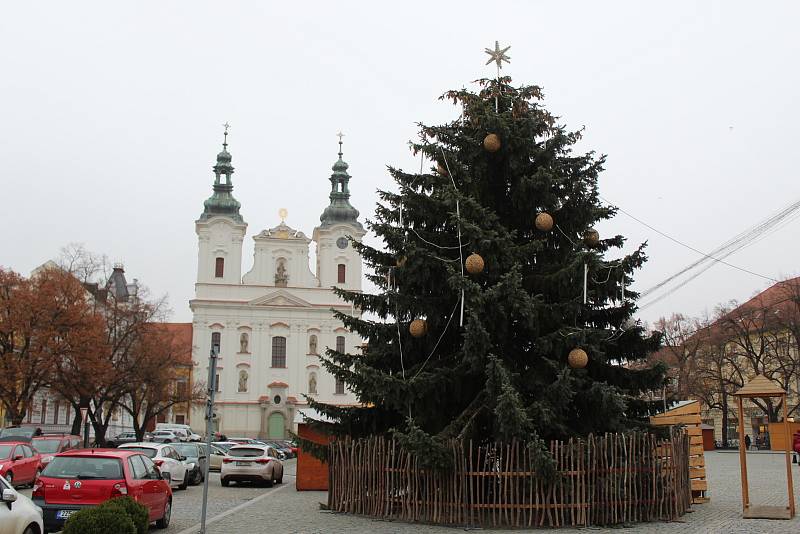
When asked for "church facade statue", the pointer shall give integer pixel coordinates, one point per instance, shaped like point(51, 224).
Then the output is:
point(312, 384)
point(312, 344)
point(244, 341)
point(242, 381)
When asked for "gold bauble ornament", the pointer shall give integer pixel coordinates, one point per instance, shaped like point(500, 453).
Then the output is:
point(544, 222)
point(491, 143)
point(418, 327)
point(578, 358)
point(401, 261)
point(441, 169)
point(591, 237)
point(474, 264)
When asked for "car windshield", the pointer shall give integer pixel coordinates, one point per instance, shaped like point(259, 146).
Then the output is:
point(5, 451)
point(47, 446)
point(162, 433)
point(126, 435)
point(16, 431)
point(84, 468)
point(248, 452)
point(147, 451)
point(224, 446)
point(186, 449)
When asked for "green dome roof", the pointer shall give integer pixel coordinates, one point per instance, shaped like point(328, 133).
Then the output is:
point(340, 210)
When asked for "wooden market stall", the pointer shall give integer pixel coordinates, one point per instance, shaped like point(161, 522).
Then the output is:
point(762, 387)
point(687, 413)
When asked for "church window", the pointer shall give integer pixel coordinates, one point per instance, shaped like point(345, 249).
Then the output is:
point(339, 386)
point(341, 273)
point(216, 384)
point(215, 341)
point(278, 351)
point(340, 344)
point(180, 419)
point(219, 268)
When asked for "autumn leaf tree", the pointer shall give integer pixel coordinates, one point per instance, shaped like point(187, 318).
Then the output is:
point(159, 378)
point(43, 319)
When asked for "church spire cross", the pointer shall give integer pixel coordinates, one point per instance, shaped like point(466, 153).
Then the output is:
point(225, 141)
point(340, 135)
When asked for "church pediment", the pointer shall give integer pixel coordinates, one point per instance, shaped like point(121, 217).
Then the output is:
point(280, 298)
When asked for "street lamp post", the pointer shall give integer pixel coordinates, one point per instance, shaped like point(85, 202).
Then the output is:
point(212, 386)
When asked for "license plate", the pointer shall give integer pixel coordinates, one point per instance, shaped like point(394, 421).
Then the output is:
point(64, 514)
point(243, 463)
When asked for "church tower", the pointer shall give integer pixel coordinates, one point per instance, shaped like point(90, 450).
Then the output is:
point(338, 263)
point(220, 228)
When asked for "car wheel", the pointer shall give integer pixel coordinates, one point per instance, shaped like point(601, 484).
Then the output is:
point(225, 482)
point(10, 478)
point(279, 480)
point(31, 529)
point(268, 483)
point(164, 521)
point(185, 482)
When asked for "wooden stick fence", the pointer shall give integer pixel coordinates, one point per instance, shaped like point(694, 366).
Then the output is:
point(603, 480)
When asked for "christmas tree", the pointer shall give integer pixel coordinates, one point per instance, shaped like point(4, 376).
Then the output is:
point(482, 300)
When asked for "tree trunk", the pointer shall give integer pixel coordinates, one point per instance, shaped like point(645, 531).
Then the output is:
point(724, 419)
point(76, 421)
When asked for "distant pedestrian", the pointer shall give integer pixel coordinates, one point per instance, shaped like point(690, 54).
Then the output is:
point(747, 442)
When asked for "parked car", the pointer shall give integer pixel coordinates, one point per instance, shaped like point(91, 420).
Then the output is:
point(19, 433)
point(215, 458)
point(251, 463)
point(79, 479)
point(282, 447)
point(291, 445)
point(19, 462)
point(196, 459)
point(164, 436)
point(242, 441)
point(49, 445)
point(18, 514)
point(126, 437)
point(169, 461)
point(224, 445)
point(190, 435)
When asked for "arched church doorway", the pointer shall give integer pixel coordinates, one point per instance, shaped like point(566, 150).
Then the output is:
point(276, 428)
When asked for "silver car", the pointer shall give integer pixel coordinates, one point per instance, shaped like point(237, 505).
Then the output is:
point(251, 463)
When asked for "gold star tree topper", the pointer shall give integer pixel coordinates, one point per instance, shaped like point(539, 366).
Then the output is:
point(498, 55)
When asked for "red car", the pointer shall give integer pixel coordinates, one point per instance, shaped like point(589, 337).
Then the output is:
point(19, 462)
point(49, 445)
point(78, 479)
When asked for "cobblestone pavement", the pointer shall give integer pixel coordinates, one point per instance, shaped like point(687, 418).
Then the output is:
point(290, 511)
point(251, 510)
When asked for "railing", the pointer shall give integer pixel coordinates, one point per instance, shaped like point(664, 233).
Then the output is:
point(602, 480)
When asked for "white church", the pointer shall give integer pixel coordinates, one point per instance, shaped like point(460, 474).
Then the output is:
point(272, 323)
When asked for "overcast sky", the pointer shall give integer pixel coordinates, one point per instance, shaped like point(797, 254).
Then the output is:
point(111, 113)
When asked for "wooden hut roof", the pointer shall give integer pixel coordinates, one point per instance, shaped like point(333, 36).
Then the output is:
point(761, 386)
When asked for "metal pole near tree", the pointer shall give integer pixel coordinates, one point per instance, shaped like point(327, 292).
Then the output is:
point(212, 386)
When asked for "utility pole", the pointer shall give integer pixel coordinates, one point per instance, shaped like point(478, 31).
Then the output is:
point(212, 386)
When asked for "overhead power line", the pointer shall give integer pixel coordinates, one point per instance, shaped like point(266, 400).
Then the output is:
point(741, 240)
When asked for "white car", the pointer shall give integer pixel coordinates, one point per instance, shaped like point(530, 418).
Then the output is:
point(251, 463)
point(165, 436)
point(18, 514)
point(169, 462)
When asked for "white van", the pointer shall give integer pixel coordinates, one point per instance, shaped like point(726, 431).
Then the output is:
point(190, 435)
